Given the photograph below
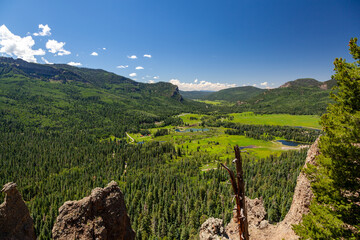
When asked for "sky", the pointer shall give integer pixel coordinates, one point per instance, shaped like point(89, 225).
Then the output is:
point(197, 44)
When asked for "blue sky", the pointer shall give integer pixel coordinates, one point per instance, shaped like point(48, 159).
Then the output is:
point(199, 45)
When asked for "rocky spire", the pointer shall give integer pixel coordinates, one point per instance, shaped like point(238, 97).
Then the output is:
point(15, 220)
point(102, 215)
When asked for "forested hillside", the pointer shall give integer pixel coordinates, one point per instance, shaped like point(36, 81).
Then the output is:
point(229, 94)
point(308, 96)
point(292, 100)
point(62, 96)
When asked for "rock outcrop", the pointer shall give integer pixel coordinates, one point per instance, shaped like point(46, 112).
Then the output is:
point(102, 215)
point(260, 229)
point(213, 229)
point(15, 220)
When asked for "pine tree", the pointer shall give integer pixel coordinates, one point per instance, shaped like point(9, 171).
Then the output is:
point(335, 180)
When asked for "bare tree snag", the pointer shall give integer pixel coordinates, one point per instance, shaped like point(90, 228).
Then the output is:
point(238, 185)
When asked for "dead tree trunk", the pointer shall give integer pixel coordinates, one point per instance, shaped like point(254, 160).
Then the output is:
point(238, 185)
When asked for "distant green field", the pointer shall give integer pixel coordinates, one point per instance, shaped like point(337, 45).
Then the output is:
point(310, 121)
point(215, 143)
point(216, 102)
point(186, 118)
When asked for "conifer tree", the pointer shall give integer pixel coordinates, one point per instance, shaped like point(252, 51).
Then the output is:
point(335, 180)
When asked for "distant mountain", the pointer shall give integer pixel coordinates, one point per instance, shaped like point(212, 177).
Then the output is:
point(235, 94)
point(310, 82)
point(302, 96)
point(229, 94)
point(44, 95)
point(195, 94)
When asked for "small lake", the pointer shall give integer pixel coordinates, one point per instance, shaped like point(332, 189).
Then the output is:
point(193, 130)
point(289, 143)
point(250, 146)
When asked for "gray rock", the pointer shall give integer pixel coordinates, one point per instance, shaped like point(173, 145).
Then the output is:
point(213, 229)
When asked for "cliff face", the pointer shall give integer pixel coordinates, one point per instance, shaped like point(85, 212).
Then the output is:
point(260, 229)
point(15, 220)
point(102, 215)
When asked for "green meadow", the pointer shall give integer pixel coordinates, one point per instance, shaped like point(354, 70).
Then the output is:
point(310, 121)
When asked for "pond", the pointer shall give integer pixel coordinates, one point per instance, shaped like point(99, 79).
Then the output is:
point(250, 146)
point(193, 130)
point(289, 143)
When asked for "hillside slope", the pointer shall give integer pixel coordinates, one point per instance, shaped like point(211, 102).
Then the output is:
point(56, 96)
point(235, 94)
point(302, 96)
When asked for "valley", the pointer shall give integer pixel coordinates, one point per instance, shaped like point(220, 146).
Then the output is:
point(66, 130)
point(193, 137)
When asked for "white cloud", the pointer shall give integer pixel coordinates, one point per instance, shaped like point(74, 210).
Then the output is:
point(46, 61)
point(254, 85)
point(104, 48)
point(94, 54)
point(151, 81)
point(132, 74)
point(147, 55)
point(202, 85)
point(139, 68)
point(196, 80)
point(132, 57)
point(14, 45)
point(264, 84)
point(45, 30)
point(156, 77)
point(57, 47)
point(122, 66)
point(76, 64)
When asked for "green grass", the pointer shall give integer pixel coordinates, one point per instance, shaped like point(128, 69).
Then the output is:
point(310, 121)
point(215, 102)
point(186, 118)
point(215, 143)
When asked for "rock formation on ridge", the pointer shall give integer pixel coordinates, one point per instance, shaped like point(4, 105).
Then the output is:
point(102, 215)
point(259, 228)
point(15, 219)
point(213, 229)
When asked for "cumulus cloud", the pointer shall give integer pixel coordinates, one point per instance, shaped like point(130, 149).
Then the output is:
point(156, 77)
point(94, 54)
point(132, 57)
point(57, 47)
point(122, 66)
point(14, 45)
point(76, 64)
point(139, 68)
point(201, 86)
point(44, 30)
point(254, 85)
point(46, 61)
point(104, 48)
point(151, 81)
point(132, 74)
point(264, 84)
point(147, 55)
